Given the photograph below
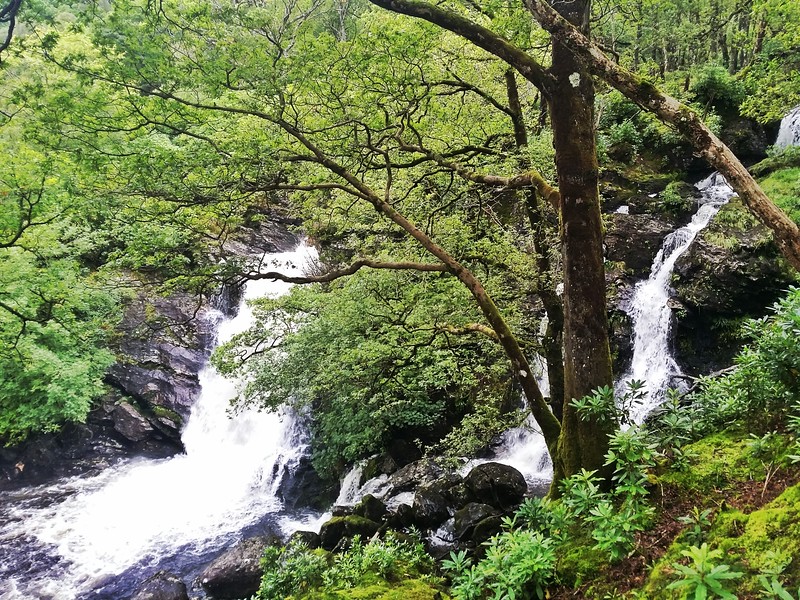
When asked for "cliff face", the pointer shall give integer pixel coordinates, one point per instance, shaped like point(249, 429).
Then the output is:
point(162, 345)
point(732, 272)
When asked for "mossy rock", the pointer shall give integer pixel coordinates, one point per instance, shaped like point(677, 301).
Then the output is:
point(337, 528)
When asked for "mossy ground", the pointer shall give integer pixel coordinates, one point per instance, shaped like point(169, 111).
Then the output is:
point(783, 188)
point(375, 588)
point(755, 523)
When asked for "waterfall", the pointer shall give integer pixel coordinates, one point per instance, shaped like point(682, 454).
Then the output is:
point(62, 541)
point(789, 132)
point(652, 360)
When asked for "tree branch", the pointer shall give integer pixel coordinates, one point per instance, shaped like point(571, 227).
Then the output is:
point(530, 179)
point(350, 270)
point(480, 36)
point(469, 329)
point(8, 17)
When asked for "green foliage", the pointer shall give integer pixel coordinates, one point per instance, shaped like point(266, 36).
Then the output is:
point(764, 386)
point(372, 355)
point(602, 405)
point(714, 87)
point(295, 571)
point(476, 429)
point(704, 577)
point(518, 564)
point(56, 313)
point(783, 188)
point(698, 521)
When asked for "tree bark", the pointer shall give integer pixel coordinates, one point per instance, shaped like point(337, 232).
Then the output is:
point(785, 231)
point(587, 358)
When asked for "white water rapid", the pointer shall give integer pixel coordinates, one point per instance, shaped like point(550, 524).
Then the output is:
point(789, 132)
point(76, 536)
point(652, 360)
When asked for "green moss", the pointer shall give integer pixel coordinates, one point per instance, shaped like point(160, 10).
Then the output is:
point(715, 462)
point(165, 413)
point(764, 539)
point(756, 540)
point(578, 561)
point(783, 188)
point(378, 589)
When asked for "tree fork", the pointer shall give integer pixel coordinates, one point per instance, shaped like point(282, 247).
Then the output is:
point(685, 121)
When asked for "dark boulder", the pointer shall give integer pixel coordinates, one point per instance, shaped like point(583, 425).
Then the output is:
point(162, 586)
point(302, 487)
point(401, 517)
point(430, 508)
point(498, 485)
point(237, 572)
point(371, 508)
point(309, 538)
point(337, 529)
point(413, 476)
point(459, 495)
point(468, 517)
point(485, 529)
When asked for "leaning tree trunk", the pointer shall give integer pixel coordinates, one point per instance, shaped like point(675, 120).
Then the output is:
point(587, 358)
point(669, 110)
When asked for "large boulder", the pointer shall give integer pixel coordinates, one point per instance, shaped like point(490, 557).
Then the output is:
point(430, 508)
point(496, 484)
point(467, 518)
point(338, 529)
point(237, 572)
point(413, 475)
point(162, 586)
point(371, 508)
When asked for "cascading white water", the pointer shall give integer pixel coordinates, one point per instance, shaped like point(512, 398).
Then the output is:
point(789, 132)
point(652, 360)
point(86, 530)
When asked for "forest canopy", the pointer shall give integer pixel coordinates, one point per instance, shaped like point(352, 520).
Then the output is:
point(139, 137)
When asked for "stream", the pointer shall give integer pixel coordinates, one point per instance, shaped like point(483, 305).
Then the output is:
point(100, 536)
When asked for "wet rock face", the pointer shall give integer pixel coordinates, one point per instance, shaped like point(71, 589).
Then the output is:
point(162, 586)
point(237, 572)
point(635, 240)
point(164, 344)
point(731, 272)
point(497, 485)
point(746, 138)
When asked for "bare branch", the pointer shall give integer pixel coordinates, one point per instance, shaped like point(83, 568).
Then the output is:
point(531, 179)
point(338, 273)
point(8, 17)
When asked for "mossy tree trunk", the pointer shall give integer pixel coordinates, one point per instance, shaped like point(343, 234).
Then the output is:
point(587, 357)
